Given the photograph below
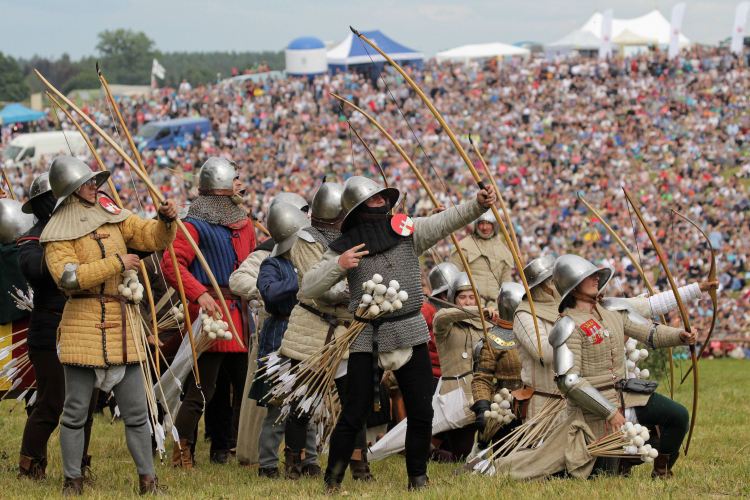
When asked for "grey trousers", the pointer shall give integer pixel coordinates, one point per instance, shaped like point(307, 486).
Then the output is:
point(131, 400)
point(271, 436)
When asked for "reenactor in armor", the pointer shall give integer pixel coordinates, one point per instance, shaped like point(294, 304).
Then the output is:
point(588, 343)
point(497, 364)
point(42, 340)
point(488, 256)
point(85, 244)
point(440, 279)
point(375, 242)
point(225, 236)
point(314, 323)
point(243, 282)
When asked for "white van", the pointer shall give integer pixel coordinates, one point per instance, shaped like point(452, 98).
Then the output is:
point(32, 147)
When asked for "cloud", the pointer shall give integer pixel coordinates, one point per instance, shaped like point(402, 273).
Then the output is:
point(443, 12)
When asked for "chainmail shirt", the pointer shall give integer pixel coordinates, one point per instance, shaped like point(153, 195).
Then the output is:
point(216, 209)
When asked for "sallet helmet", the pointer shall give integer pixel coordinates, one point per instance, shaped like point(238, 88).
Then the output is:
point(284, 222)
point(67, 174)
point(570, 270)
point(39, 186)
point(13, 221)
point(358, 189)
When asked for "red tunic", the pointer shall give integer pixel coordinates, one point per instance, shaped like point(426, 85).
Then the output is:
point(243, 242)
point(428, 311)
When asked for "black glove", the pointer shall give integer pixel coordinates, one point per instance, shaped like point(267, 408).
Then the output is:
point(479, 408)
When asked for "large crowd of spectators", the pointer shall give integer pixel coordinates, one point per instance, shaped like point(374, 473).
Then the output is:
point(674, 133)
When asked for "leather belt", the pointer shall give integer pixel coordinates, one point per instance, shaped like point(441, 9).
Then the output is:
point(58, 313)
point(103, 297)
point(332, 321)
point(451, 377)
point(229, 296)
point(375, 366)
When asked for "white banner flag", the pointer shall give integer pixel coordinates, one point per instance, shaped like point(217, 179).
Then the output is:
point(738, 34)
point(678, 12)
point(157, 70)
point(605, 44)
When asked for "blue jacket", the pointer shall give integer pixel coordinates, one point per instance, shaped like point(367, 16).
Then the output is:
point(278, 285)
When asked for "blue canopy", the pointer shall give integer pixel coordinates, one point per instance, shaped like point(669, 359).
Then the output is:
point(351, 51)
point(16, 113)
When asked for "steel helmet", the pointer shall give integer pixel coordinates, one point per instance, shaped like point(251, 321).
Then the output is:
point(326, 204)
point(284, 221)
point(357, 189)
point(13, 221)
point(441, 277)
point(538, 270)
point(39, 186)
point(67, 174)
point(460, 283)
point(570, 270)
point(217, 176)
point(292, 199)
point(488, 216)
point(510, 296)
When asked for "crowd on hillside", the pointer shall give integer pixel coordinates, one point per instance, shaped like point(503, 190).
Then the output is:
point(673, 133)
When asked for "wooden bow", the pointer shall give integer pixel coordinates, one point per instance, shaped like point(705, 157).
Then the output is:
point(683, 313)
point(434, 202)
point(474, 173)
point(711, 292)
point(643, 277)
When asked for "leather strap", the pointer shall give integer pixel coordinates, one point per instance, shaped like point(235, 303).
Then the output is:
point(103, 298)
point(332, 321)
point(547, 395)
point(98, 236)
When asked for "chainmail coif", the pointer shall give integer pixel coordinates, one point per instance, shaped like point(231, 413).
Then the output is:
point(216, 209)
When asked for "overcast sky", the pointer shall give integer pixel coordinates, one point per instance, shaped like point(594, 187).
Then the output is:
point(53, 27)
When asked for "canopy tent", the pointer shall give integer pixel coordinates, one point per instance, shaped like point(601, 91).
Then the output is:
point(577, 40)
point(652, 26)
point(466, 53)
point(351, 52)
point(17, 113)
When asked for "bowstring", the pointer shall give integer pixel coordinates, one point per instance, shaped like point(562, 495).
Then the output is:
point(599, 238)
point(429, 161)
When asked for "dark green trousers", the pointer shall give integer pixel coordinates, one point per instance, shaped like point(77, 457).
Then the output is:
point(671, 417)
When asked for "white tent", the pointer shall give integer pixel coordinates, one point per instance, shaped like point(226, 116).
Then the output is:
point(651, 27)
point(465, 53)
point(577, 40)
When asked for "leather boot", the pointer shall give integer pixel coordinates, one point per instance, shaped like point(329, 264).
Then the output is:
point(182, 457)
point(219, 456)
point(293, 463)
point(311, 470)
point(72, 487)
point(418, 482)
point(32, 468)
point(269, 472)
point(89, 478)
point(360, 467)
point(150, 485)
point(663, 467)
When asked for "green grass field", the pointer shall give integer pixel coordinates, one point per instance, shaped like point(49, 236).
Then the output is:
point(718, 465)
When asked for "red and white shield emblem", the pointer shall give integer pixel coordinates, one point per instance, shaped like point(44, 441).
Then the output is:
point(594, 332)
point(402, 224)
point(108, 204)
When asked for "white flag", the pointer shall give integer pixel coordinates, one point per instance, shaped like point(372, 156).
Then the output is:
point(157, 70)
point(605, 44)
point(738, 34)
point(678, 12)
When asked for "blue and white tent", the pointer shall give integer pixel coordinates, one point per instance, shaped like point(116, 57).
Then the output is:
point(350, 52)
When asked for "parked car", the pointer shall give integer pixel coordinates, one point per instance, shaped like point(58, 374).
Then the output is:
point(31, 147)
point(168, 133)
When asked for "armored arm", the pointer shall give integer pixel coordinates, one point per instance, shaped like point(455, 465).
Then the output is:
point(565, 344)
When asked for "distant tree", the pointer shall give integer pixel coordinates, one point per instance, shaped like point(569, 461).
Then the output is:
point(197, 76)
point(126, 56)
point(84, 80)
point(12, 86)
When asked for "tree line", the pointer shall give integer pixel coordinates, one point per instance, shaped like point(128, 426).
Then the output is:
point(125, 57)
